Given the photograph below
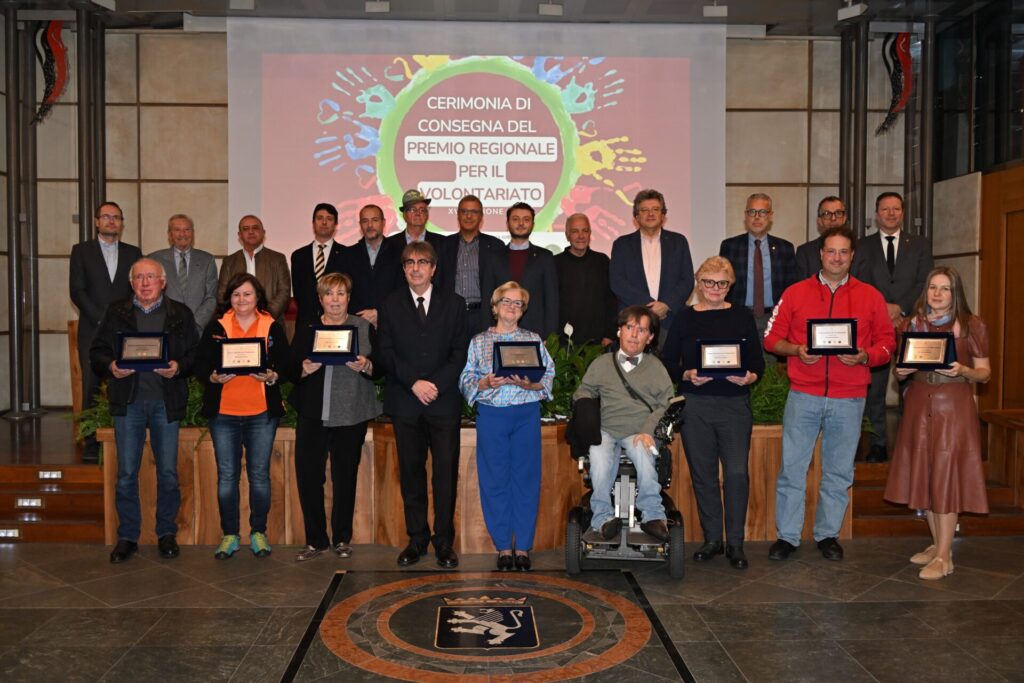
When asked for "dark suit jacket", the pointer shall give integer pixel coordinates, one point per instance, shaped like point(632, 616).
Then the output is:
point(913, 263)
point(410, 351)
point(783, 266)
point(371, 284)
point(304, 279)
point(448, 267)
point(540, 279)
point(630, 284)
point(91, 289)
point(808, 258)
point(271, 271)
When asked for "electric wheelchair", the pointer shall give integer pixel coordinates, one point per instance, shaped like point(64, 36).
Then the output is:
point(581, 543)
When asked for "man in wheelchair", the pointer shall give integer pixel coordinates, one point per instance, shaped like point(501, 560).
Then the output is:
point(634, 390)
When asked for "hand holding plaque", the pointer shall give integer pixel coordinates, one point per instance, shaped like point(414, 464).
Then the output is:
point(244, 356)
point(520, 359)
point(926, 351)
point(334, 344)
point(142, 351)
point(720, 357)
point(832, 336)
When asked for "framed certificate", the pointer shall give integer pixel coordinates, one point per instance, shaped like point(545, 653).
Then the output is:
point(720, 357)
point(831, 336)
point(334, 344)
point(926, 350)
point(242, 356)
point(520, 358)
point(143, 351)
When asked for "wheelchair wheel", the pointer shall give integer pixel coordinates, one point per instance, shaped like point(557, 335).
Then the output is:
point(573, 542)
point(676, 561)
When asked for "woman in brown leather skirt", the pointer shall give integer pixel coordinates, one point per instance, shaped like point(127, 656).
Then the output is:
point(936, 465)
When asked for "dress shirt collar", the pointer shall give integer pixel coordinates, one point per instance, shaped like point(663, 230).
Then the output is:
point(426, 297)
point(519, 247)
point(145, 309)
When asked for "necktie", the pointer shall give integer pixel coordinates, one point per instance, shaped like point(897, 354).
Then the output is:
point(758, 280)
point(182, 268)
point(890, 254)
point(318, 266)
point(420, 309)
point(632, 360)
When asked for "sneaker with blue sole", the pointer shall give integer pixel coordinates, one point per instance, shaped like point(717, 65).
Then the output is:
point(258, 541)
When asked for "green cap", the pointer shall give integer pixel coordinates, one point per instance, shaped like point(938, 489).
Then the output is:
point(413, 197)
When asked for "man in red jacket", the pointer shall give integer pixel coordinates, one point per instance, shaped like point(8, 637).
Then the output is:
point(826, 392)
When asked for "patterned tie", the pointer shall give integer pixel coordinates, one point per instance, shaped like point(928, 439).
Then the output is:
point(318, 266)
point(420, 309)
point(890, 254)
point(182, 269)
point(632, 360)
point(758, 280)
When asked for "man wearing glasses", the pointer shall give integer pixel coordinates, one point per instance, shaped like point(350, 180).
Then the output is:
point(765, 265)
point(422, 342)
point(831, 214)
point(98, 276)
point(463, 258)
point(415, 210)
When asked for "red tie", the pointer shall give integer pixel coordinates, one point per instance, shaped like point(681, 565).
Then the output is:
point(758, 280)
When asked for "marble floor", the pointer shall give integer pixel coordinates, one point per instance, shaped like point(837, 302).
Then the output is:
point(67, 614)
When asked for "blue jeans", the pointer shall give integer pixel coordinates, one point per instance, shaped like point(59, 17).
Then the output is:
point(604, 465)
point(838, 420)
point(130, 437)
point(230, 434)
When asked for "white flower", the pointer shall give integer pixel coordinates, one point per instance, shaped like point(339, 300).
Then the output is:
point(568, 330)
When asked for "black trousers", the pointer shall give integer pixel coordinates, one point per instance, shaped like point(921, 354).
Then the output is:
point(875, 404)
point(413, 438)
point(313, 444)
point(716, 429)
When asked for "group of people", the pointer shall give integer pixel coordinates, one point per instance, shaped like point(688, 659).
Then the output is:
point(429, 311)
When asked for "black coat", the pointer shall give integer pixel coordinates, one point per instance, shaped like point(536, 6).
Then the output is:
point(410, 350)
point(540, 279)
point(207, 360)
point(304, 278)
point(91, 289)
point(448, 265)
point(182, 338)
point(371, 284)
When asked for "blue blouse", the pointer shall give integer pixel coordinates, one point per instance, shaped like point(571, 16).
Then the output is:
point(481, 362)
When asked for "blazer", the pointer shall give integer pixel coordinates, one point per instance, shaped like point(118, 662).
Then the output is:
point(182, 338)
point(783, 266)
point(370, 284)
point(448, 266)
point(410, 350)
point(630, 284)
point(271, 271)
point(91, 289)
point(200, 290)
point(808, 258)
point(540, 279)
point(913, 263)
point(304, 278)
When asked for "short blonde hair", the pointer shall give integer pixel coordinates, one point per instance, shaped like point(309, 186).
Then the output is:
point(331, 280)
point(713, 264)
point(500, 292)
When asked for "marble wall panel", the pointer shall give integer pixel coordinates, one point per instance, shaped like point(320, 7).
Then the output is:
point(56, 310)
point(122, 142)
point(122, 71)
point(5, 386)
point(885, 151)
point(57, 145)
point(956, 215)
point(58, 205)
point(205, 203)
point(824, 147)
point(3, 213)
point(4, 308)
point(3, 138)
point(788, 203)
point(825, 74)
point(184, 143)
point(183, 68)
point(766, 147)
point(766, 74)
point(54, 370)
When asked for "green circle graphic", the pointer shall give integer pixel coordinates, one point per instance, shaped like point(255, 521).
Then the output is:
point(424, 80)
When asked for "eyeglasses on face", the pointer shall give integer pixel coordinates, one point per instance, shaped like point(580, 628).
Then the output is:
point(753, 213)
point(421, 262)
point(145, 277)
point(715, 284)
point(514, 303)
point(840, 213)
point(417, 209)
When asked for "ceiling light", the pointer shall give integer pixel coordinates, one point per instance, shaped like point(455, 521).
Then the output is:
point(549, 9)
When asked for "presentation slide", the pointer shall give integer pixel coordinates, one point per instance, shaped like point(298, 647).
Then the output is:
point(574, 133)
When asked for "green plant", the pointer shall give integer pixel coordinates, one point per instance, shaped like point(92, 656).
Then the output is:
point(768, 396)
point(571, 362)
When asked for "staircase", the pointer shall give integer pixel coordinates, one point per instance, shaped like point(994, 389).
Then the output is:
point(51, 503)
point(873, 516)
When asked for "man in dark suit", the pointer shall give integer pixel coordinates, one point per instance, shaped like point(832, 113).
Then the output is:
point(897, 264)
point(585, 298)
point(98, 276)
point(652, 266)
point(764, 264)
point(531, 266)
point(422, 346)
point(415, 210)
point(373, 265)
point(322, 255)
point(463, 258)
point(191, 272)
point(268, 266)
point(831, 214)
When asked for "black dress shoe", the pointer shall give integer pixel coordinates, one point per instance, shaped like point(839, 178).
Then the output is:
point(708, 551)
point(610, 530)
point(505, 563)
point(657, 528)
point(123, 550)
point(780, 550)
point(523, 562)
point(877, 454)
point(410, 556)
point(168, 547)
point(736, 556)
point(446, 558)
point(830, 549)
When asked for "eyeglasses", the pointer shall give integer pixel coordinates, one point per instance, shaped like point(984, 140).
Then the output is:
point(470, 212)
point(753, 213)
point(514, 303)
point(417, 209)
point(841, 213)
point(413, 262)
point(145, 277)
point(715, 284)
point(110, 217)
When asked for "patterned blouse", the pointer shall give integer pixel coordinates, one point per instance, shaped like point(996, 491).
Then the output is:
point(481, 362)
